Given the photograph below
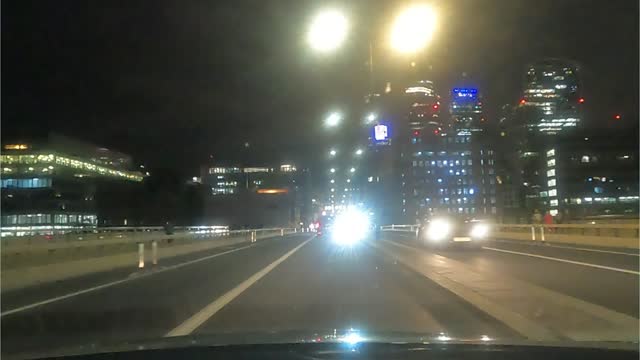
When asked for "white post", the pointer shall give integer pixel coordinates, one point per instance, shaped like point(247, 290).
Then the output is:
point(253, 236)
point(295, 230)
point(281, 231)
point(154, 252)
point(533, 233)
point(392, 226)
point(542, 233)
point(140, 255)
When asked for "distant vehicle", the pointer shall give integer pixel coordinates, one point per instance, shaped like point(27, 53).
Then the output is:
point(450, 231)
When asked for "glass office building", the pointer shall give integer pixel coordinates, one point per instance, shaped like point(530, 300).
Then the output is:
point(552, 88)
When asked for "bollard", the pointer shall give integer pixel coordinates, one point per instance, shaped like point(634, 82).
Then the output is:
point(253, 236)
point(295, 230)
point(282, 232)
point(392, 226)
point(140, 255)
point(541, 233)
point(154, 252)
point(533, 233)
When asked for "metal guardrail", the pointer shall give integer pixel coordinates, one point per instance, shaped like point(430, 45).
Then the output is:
point(406, 228)
point(116, 235)
point(42, 251)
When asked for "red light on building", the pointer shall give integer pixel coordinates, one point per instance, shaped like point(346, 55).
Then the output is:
point(436, 132)
point(416, 133)
point(618, 117)
point(581, 100)
point(435, 106)
point(522, 101)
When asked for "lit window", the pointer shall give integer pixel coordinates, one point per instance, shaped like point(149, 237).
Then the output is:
point(551, 162)
point(551, 173)
point(553, 192)
point(585, 159)
point(551, 153)
point(597, 190)
point(551, 183)
point(16, 147)
point(554, 202)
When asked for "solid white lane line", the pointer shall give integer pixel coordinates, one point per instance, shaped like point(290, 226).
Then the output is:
point(192, 323)
point(565, 261)
point(573, 248)
point(113, 283)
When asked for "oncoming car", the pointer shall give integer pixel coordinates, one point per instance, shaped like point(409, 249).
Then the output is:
point(449, 231)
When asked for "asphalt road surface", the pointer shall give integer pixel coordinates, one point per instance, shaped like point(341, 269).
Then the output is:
point(305, 283)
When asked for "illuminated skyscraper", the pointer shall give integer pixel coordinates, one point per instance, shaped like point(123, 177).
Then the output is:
point(552, 87)
point(466, 110)
point(424, 105)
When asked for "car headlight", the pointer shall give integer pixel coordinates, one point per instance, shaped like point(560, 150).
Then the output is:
point(350, 227)
point(438, 230)
point(480, 231)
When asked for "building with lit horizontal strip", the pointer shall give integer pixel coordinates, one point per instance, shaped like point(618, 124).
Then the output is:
point(255, 196)
point(55, 183)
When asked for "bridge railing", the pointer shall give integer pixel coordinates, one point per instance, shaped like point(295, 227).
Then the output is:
point(30, 260)
point(607, 235)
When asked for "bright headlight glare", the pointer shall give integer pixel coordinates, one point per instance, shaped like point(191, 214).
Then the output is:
point(438, 230)
point(350, 227)
point(479, 231)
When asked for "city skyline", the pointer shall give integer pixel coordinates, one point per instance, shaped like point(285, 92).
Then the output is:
point(178, 118)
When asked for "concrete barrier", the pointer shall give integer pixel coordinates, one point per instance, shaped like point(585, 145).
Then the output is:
point(600, 235)
point(32, 264)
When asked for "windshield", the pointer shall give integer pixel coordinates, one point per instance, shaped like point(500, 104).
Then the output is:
point(303, 171)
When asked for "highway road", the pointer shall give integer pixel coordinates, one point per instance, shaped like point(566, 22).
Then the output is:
point(507, 291)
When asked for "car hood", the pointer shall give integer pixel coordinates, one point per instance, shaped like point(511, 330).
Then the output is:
point(349, 338)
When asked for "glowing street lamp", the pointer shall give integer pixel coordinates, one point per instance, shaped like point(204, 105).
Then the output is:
point(333, 152)
point(352, 170)
point(359, 152)
point(333, 119)
point(370, 118)
point(413, 29)
point(332, 170)
point(327, 31)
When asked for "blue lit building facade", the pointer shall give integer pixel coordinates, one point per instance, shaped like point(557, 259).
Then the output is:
point(466, 110)
point(552, 88)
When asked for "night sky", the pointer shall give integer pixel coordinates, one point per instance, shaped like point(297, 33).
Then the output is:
point(175, 82)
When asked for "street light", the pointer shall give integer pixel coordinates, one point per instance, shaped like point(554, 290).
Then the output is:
point(352, 170)
point(332, 152)
point(333, 119)
point(413, 28)
point(332, 170)
point(371, 118)
point(328, 31)
point(359, 152)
